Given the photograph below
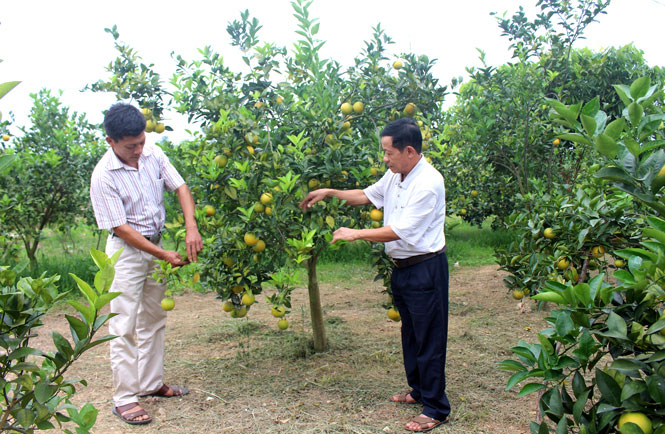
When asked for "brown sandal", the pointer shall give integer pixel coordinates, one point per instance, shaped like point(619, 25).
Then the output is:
point(423, 420)
point(124, 412)
point(403, 398)
point(176, 392)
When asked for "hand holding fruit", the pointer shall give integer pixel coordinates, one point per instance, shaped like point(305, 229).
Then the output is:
point(313, 197)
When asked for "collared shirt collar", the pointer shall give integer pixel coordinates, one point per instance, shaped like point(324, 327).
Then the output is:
point(414, 170)
point(115, 163)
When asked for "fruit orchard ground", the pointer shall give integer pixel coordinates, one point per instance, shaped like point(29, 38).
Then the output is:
point(246, 377)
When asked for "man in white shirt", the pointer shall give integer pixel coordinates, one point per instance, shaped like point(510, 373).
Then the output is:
point(127, 194)
point(412, 195)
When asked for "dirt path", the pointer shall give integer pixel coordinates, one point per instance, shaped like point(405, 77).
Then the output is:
point(246, 377)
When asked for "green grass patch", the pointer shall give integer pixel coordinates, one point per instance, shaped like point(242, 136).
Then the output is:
point(472, 246)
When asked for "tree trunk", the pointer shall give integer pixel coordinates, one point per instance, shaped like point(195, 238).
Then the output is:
point(31, 253)
point(316, 312)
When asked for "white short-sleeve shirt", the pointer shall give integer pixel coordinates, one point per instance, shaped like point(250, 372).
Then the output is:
point(414, 208)
point(122, 194)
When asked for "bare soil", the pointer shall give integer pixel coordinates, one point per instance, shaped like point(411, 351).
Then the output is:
point(246, 376)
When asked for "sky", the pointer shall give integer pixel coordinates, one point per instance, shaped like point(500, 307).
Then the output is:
point(61, 45)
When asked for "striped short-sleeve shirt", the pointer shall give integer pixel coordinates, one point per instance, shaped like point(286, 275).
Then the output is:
point(122, 194)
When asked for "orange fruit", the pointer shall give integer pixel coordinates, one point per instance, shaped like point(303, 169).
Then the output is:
point(376, 215)
point(283, 324)
point(221, 160)
point(394, 315)
point(266, 198)
point(248, 298)
point(259, 246)
point(250, 239)
point(168, 303)
point(346, 108)
point(278, 311)
point(598, 252)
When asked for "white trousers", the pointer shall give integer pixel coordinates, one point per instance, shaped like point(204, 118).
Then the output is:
point(137, 354)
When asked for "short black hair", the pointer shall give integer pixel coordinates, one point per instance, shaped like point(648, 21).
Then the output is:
point(123, 120)
point(404, 132)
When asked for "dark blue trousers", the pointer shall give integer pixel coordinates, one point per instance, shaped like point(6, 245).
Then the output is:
point(420, 292)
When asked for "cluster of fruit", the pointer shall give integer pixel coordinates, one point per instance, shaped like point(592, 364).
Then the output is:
point(152, 124)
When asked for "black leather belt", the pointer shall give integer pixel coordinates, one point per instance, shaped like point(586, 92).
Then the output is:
point(413, 260)
point(152, 238)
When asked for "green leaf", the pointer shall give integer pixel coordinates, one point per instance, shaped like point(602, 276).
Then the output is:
point(549, 296)
point(575, 138)
point(591, 107)
point(99, 341)
point(516, 378)
point(562, 426)
point(656, 385)
point(104, 279)
point(655, 234)
point(78, 327)
point(7, 86)
point(606, 145)
point(583, 294)
point(87, 416)
point(586, 346)
point(6, 160)
point(632, 146)
point(589, 124)
point(564, 324)
point(530, 388)
point(44, 391)
point(100, 258)
point(547, 345)
point(87, 312)
point(511, 365)
point(656, 223)
point(624, 93)
point(85, 289)
point(631, 388)
point(615, 128)
point(616, 324)
point(614, 174)
point(555, 403)
point(104, 299)
point(24, 417)
point(579, 385)
point(639, 87)
point(635, 113)
point(627, 366)
point(608, 388)
point(578, 408)
point(62, 344)
point(24, 352)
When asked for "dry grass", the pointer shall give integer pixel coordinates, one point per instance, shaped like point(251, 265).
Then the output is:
point(247, 377)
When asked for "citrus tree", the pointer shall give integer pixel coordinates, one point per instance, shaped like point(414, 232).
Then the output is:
point(499, 135)
point(47, 185)
point(600, 366)
point(293, 123)
point(36, 393)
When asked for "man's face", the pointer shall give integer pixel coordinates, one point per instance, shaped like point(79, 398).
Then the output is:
point(396, 160)
point(128, 149)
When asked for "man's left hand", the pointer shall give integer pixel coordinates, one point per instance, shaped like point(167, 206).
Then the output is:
point(194, 243)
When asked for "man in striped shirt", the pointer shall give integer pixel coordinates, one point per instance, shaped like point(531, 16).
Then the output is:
point(127, 193)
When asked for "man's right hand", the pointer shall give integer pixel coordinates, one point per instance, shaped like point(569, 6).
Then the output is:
point(313, 197)
point(173, 258)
